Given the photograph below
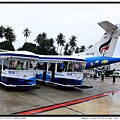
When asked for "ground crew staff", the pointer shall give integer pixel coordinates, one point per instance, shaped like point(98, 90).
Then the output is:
point(114, 76)
point(102, 74)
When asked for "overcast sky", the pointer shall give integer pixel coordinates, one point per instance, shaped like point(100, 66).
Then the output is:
point(70, 19)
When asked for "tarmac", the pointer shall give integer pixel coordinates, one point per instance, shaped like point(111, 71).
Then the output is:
point(102, 99)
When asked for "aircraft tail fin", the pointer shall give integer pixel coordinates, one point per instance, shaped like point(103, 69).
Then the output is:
point(106, 45)
point(107, 26)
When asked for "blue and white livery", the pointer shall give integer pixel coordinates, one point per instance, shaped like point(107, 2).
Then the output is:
point(18, 68)
point(61, 70)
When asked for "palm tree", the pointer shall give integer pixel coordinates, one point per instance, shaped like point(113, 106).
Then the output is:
point(2, 31)
point(62, 44)
point(73, 43)
point(44, 35)
point(9, 34)
point(60, 41)
point(66, 49)
point(42, 42)
point(51, 43)
point(26, 33)
point(77, 50)
point(82, 48)
point(41, 39)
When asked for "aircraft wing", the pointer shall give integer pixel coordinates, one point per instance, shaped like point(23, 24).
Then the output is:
point(107, 26)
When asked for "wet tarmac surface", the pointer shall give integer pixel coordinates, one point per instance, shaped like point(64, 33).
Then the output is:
point(13, 100)
point(108, 105)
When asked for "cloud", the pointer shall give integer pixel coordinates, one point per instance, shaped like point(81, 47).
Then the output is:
point(70, 19)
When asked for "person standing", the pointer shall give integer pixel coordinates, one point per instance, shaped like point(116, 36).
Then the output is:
point(114, 76)
point(102, 74)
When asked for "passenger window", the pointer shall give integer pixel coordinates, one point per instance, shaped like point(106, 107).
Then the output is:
point(0, 64)
point(59, 68)
point(38, 66)
point(5, 64)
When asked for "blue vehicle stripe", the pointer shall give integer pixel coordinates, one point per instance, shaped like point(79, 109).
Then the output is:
point(52, 58)
point(18, 55)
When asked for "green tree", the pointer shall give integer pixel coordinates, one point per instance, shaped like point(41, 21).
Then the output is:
point(77, 50)
point(51, 50)
point(45, 46)
point(41, 39)
point(2, 31)
point(60, 41)
point(6, 45)
point(67, 51)
point(82, 48)
point(26, 33)
point(9, 34)
point(28, 47)
point(73, 43)
point(44, 35)
point(49, 44)
point(41, 43)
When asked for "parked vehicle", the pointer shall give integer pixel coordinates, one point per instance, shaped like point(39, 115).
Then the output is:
point(117, 72)
point(65, 71)
point(17, 68)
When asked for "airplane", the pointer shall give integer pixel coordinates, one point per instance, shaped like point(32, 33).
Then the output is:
point(98, 55)
point(106, 45)
point(102, 51)
point(93, 62)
